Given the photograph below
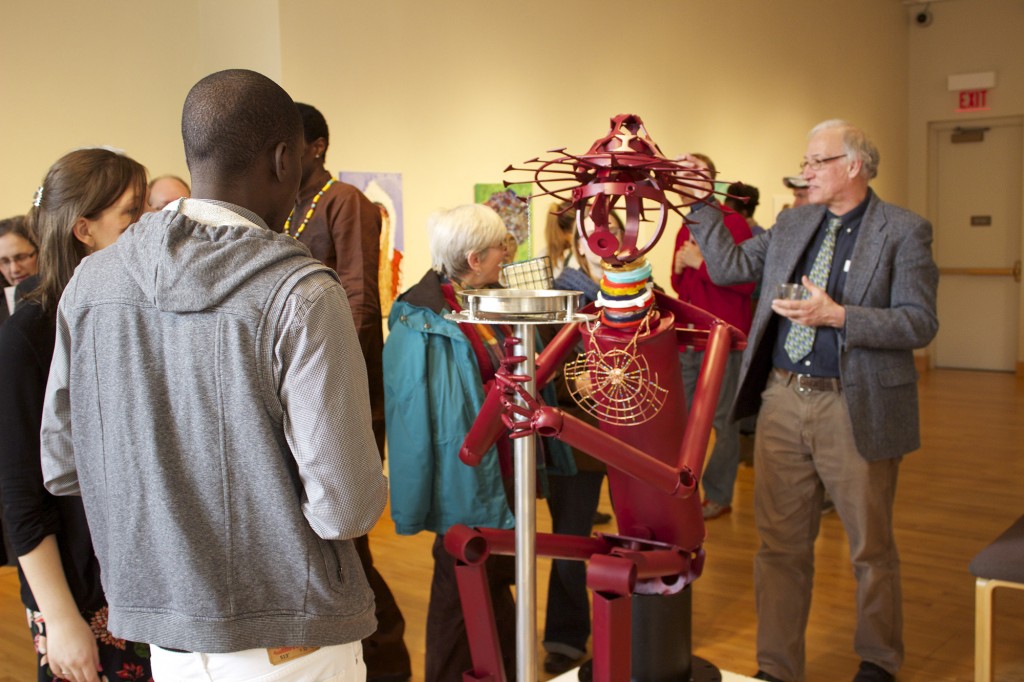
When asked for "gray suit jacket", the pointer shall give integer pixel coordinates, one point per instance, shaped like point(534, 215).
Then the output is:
point(890, 310)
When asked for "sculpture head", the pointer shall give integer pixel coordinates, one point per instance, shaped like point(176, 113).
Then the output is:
point(623, 169)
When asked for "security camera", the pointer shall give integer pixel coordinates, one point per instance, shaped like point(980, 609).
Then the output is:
point(923, 18)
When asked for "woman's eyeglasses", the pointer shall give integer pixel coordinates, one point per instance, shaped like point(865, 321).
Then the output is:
point(17, 259)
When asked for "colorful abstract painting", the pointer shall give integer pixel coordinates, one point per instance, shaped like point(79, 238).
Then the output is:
point(515, 212)
point(385, 190)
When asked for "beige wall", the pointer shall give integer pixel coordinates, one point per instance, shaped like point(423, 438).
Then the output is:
point(450, 93)
point(75, 74)
point(450, 96)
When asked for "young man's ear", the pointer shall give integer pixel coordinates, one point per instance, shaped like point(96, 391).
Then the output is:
point(284, 157)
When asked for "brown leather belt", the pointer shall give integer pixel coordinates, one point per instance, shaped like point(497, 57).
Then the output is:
point(805, 382)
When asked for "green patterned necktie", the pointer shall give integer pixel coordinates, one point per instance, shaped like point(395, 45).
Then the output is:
point(800, 339)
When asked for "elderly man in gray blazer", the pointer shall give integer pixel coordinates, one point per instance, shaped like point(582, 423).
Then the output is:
point(832, 378)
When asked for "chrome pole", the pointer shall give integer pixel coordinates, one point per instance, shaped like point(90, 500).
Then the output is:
point(525, 452)
point(523, 310)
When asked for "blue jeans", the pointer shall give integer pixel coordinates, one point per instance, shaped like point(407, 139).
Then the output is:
point(720, 473)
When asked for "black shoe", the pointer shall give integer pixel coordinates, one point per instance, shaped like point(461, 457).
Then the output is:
point(602, 519)
point(762, 675)
point(869, 672)
point(396, 677)
point(556, 663)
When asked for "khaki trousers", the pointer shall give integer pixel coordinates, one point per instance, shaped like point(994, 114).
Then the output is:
point(803, 447)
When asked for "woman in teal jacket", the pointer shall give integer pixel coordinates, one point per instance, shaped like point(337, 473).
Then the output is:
point(435, 373)
point(433, 391)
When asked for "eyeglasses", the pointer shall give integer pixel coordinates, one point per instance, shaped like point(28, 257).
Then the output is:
point(17, 259)
point(507, 243)
point(818, 164)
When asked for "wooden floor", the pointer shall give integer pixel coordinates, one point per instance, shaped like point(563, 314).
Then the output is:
point(955, 495)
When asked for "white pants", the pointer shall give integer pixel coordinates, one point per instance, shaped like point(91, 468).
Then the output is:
point(339, 663)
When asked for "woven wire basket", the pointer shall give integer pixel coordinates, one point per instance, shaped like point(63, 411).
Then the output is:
point(534, 273)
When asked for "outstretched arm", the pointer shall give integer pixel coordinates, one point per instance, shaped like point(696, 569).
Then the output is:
point(727, 262)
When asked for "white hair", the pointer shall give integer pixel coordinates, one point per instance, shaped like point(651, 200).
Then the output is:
point(855, 143)
point(457, 232)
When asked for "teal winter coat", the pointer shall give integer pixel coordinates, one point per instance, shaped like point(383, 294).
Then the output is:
point(432, 394)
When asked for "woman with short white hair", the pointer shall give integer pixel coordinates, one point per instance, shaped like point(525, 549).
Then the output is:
point(467, 244)
point(434, 376)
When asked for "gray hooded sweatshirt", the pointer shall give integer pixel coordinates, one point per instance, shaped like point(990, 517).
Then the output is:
point(208, 400)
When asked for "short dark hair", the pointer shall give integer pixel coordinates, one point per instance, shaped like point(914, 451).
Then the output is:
point(231, 116)
point(737, 192)
point(314, 124)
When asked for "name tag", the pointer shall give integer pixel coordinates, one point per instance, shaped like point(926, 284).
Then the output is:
point(284, 654)
point(846, 266)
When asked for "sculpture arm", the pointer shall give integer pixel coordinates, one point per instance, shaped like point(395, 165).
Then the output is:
point(492, 420)
point(722, 338)
point(549, 361)
point(555, 423)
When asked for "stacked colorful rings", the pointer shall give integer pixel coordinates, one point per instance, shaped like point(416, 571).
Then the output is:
point(626, 294)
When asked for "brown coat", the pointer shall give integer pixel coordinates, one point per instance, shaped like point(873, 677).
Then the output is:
point(344, 234)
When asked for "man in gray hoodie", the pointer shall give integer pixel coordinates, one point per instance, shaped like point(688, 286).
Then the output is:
point(208, 400)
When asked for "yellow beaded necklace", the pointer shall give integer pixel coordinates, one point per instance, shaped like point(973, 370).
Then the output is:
point(309, 213)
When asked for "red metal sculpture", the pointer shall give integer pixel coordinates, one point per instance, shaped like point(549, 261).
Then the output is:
point(639, 575)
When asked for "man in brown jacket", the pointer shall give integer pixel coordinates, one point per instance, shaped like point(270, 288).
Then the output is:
point(342, 227)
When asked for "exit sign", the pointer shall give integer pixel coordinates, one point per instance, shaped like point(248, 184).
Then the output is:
point(973, 100)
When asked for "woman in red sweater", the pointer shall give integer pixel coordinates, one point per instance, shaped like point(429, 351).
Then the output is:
point(692, 284)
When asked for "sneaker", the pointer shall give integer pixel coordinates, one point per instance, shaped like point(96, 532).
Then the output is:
point(870, 672)
point(712, 510)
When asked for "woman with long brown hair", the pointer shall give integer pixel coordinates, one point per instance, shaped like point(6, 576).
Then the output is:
point(87, 199)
